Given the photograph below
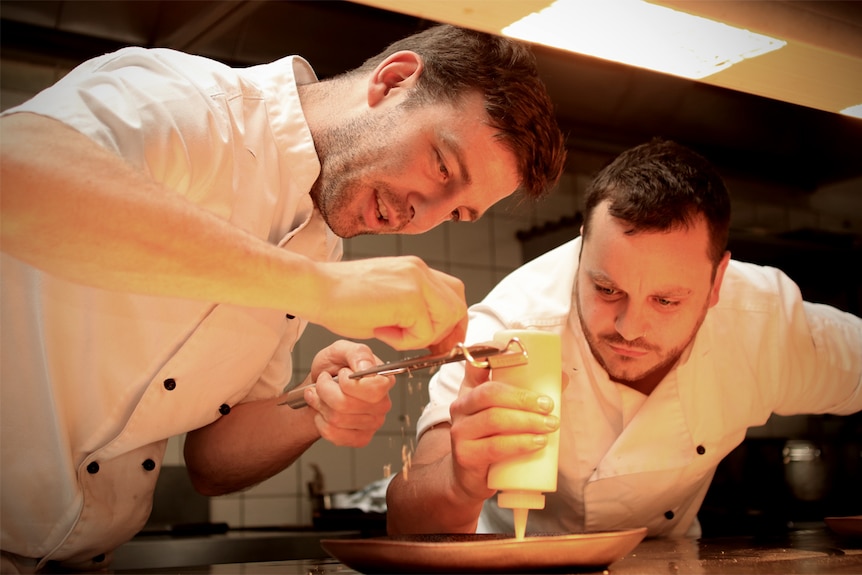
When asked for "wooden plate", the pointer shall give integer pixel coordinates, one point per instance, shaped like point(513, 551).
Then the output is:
point(845, 525)
point(483, 553)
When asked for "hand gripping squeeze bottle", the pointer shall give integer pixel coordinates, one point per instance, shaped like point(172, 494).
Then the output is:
point(522, 480)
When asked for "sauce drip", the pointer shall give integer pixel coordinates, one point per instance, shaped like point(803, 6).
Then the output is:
point(520, 522)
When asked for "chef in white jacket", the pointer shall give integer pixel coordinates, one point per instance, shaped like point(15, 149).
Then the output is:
point(671, 350)
point(170, 225)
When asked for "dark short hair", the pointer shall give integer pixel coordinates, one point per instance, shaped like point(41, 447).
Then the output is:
point(660, 186)
point(458, 61)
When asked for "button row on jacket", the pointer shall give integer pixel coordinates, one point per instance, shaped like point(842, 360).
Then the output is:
point(171, 384)
point(93, 466)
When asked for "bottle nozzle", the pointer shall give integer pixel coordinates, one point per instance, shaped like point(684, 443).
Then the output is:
point(520, 502)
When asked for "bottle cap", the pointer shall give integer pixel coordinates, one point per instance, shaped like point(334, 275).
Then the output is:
point(521, 499)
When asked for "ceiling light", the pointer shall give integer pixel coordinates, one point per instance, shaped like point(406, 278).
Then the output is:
point(642, 34)
point(855, 111)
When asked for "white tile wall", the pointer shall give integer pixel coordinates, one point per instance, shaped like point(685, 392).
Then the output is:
point(480, 254)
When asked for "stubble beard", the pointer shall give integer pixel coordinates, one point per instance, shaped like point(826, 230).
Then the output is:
point(331, 191)
point(345, 152)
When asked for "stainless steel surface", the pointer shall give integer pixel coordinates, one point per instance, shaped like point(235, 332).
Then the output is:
point(514, 353)
point(805, 471)
point(164, 552)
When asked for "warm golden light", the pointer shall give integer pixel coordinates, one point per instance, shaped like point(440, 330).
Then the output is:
point(642, 34)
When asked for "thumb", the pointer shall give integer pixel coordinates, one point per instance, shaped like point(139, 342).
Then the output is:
point(473, 377)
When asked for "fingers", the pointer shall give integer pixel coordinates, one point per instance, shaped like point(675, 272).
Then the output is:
point(350, 411)
point(478, 392)
point(399, 300)
point(356, 394)
point(498, 421)
point(369, 395)
point(440, 320)
point(473, 376)
point(493, 421)
point(434, 317)
point(482, 453)
point(340, 354)
point(494, 434)
point(451, 339)
point(368, 391)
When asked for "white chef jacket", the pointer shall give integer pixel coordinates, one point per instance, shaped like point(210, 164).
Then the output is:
point(629, 462)
point(95, 381)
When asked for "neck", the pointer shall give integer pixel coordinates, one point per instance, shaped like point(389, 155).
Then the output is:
point(330, 102)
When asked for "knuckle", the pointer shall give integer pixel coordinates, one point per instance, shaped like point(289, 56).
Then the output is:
point(497, 450)
point(494, 420)
point(457, 437)
point(463, 457)
point(416, 261)
point(525, 397)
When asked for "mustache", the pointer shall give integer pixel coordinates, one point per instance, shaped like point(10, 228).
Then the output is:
point(639, 344)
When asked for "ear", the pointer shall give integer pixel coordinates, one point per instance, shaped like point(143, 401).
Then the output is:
point(397, 72)
point(719, 277)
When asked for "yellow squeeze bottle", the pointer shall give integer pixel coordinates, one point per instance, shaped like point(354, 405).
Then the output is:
point(522, 481)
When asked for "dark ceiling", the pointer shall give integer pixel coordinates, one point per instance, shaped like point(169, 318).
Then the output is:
point(602, 106)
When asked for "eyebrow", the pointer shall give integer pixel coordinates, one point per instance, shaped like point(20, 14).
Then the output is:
point(452, 145)
point(672, 292)
point(458, 152)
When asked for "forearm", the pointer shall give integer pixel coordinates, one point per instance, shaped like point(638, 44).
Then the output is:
point(427, 502)
point(250, 444)
point(77, 211)
point(256, 440)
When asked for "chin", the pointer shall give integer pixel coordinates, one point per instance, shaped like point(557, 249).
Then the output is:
point(623, 376)
point(626, 370)
point(342, 228)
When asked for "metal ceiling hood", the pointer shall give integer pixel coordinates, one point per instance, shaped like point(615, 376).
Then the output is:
point(821, 66)
point(603, 106)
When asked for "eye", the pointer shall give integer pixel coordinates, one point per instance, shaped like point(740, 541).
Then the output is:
point(444, 171)
point(607, 292)
point(664, 302)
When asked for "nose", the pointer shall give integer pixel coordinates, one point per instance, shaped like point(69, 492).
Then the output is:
point(631, 322)
point(425, 214)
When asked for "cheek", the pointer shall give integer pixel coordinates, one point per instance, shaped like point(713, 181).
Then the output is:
point(672, 330)
point(596, 313)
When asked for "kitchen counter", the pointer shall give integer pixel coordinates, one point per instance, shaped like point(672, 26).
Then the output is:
point(815, 550)
point(809, 550)
point(157, 553)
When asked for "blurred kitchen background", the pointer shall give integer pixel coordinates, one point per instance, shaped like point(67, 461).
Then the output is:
point(793, 165)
